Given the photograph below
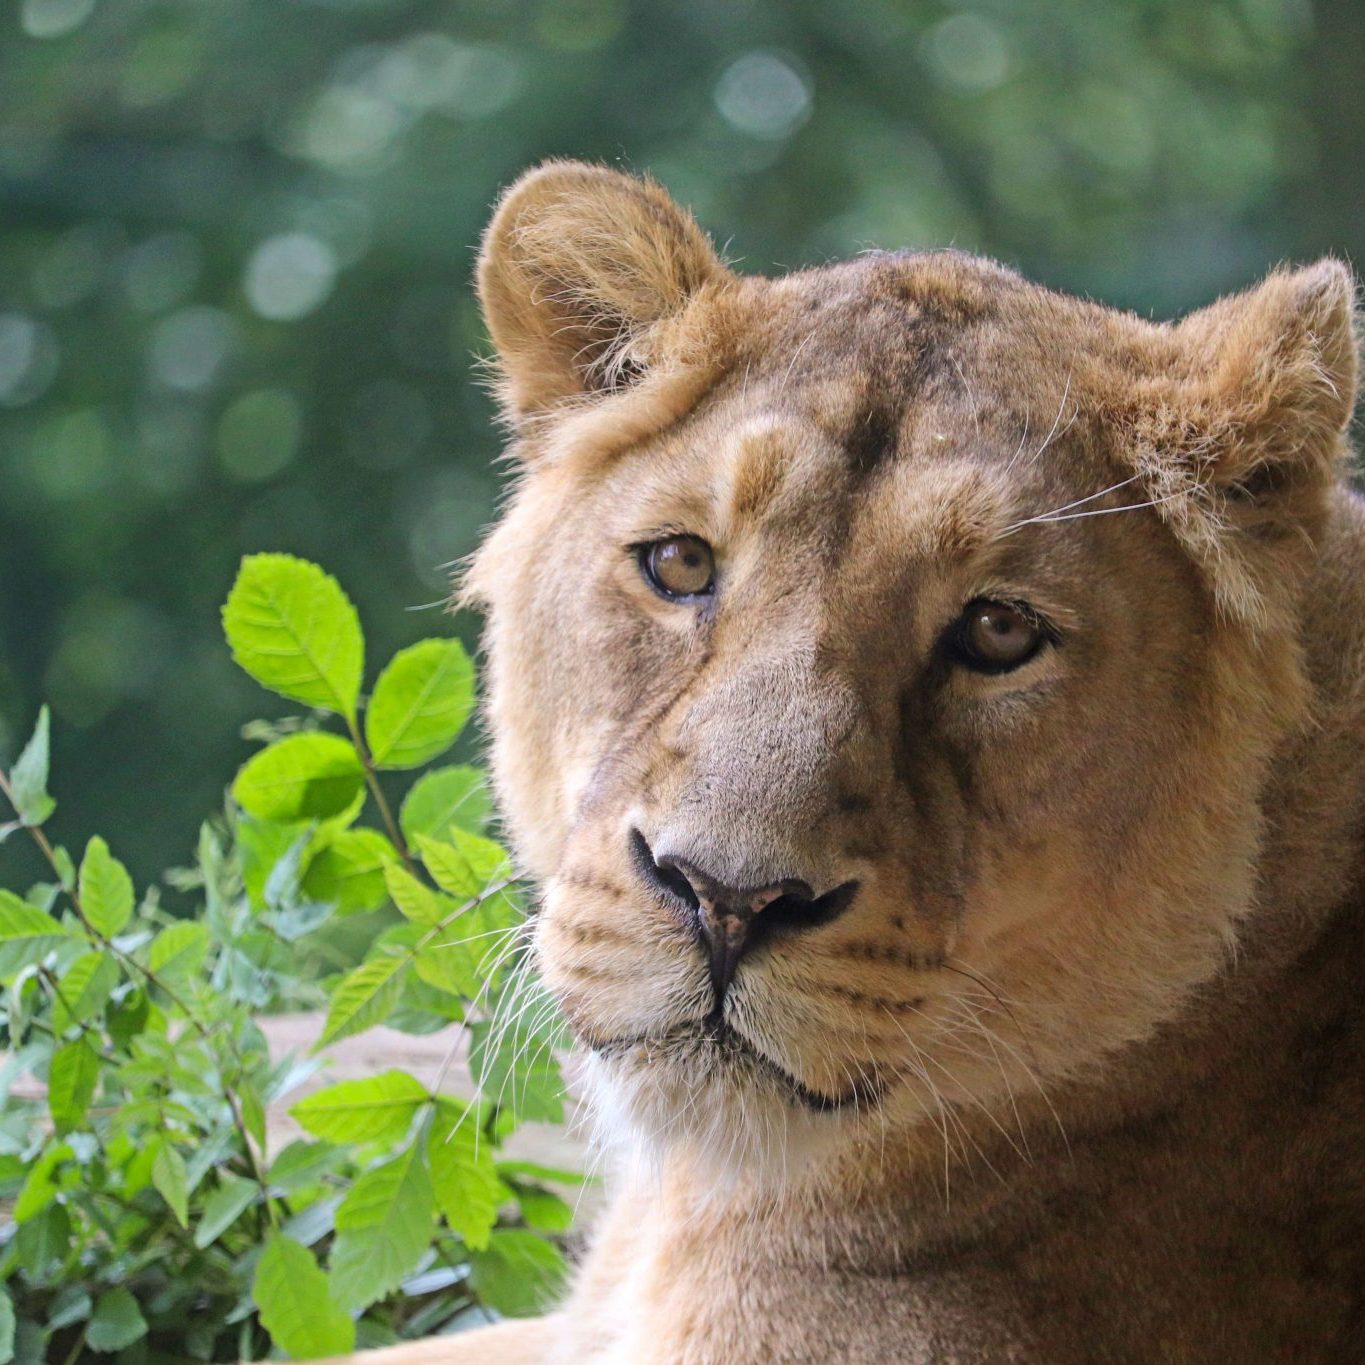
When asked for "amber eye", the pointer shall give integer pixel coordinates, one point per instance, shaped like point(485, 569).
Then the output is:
point(994, 637)
point(680, 568)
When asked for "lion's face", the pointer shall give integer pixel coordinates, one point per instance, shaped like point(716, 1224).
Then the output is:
point(876, 698)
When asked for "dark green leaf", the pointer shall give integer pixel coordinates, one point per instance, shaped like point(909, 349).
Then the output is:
point(519, 1274)
point(224, 1207)
point(117, 1322)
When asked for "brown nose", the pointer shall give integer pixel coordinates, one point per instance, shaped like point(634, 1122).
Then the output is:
point(729, 920)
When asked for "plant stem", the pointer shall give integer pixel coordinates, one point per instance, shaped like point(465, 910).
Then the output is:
point(376, 791)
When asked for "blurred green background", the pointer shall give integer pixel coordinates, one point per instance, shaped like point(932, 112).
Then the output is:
point(236, 239)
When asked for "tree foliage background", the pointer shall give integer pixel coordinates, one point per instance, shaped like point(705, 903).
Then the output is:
point(236, 241)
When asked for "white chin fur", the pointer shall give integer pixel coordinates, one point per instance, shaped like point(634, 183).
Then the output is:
point(725, 1127)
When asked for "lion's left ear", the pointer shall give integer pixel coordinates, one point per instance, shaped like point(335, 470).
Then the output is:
point(1242, 436)
point(1274, 378)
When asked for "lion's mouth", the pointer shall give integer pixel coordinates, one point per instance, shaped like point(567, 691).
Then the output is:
point(732, 1048)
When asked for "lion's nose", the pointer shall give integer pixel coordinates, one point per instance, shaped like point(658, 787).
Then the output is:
point(730, 920)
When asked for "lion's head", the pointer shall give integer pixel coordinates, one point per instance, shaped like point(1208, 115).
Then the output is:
point(885, 660)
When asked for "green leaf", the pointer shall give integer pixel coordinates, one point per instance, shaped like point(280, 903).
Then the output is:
point(292, 628)
point(44, 1242)
point(223, 1208)
point(106, 889)
point(543, 1210)
point(349, 871)
point(116, 1323)
point(28, 777)
point(302, 1164)
point(6, 1328)
point(40, 1188)
point(178, 951)
point(534, 1170)
point(375, 1109)
point(450, 965)
point(465, 864)
point(416, 902)
point(383, 1227)
point(85, 987)
point(72, 1077)
point(518, 1274)
point(171, 1180)
point(444, 797)
point(27, 934)
point(420, 704)
point(304, 776)
point(365, 997)
point(296, 1303)
point(463, 1175)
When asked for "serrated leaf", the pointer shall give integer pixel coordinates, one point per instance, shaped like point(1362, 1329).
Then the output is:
point(456, 795)
point(416, 902)
point(374, 1109)
point(464, 864)
point(291, 627)
point(420, 704)
point(349, 871)
point(83, 989)
point(518, 1274)
point(27, 934)
point(223, 1208)
point(178, 951)
point(106, 890)
point(463, 1175)
point(303, 777)
point(449, 965)
point(116, 1323)
point(365, 997)
point(253, 1111)
point(172, 1180)
point(72, 1077)
point(383, 1227)
point(296, 1303)
point(28, 777)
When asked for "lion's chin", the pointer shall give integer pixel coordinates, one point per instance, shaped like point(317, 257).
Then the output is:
point(703, 1095)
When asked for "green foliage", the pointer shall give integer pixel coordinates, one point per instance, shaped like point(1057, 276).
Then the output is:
point(148, 1207)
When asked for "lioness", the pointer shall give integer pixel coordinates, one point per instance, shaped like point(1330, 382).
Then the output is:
point(933, 711)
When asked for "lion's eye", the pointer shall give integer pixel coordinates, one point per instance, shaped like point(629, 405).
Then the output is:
point(994, 637)
point(681, 567)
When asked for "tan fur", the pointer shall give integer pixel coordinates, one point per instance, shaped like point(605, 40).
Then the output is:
point(1095, 1008)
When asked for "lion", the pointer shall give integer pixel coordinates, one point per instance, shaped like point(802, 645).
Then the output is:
point(932, 710)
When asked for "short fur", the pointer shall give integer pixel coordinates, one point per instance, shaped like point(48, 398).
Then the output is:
point(1091, 1033)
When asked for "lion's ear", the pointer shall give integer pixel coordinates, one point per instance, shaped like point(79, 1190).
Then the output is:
point(577, 264)
point(1273, 380)
point(1243, 438)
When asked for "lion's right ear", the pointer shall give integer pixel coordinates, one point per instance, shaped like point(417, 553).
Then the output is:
point(577, 265)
